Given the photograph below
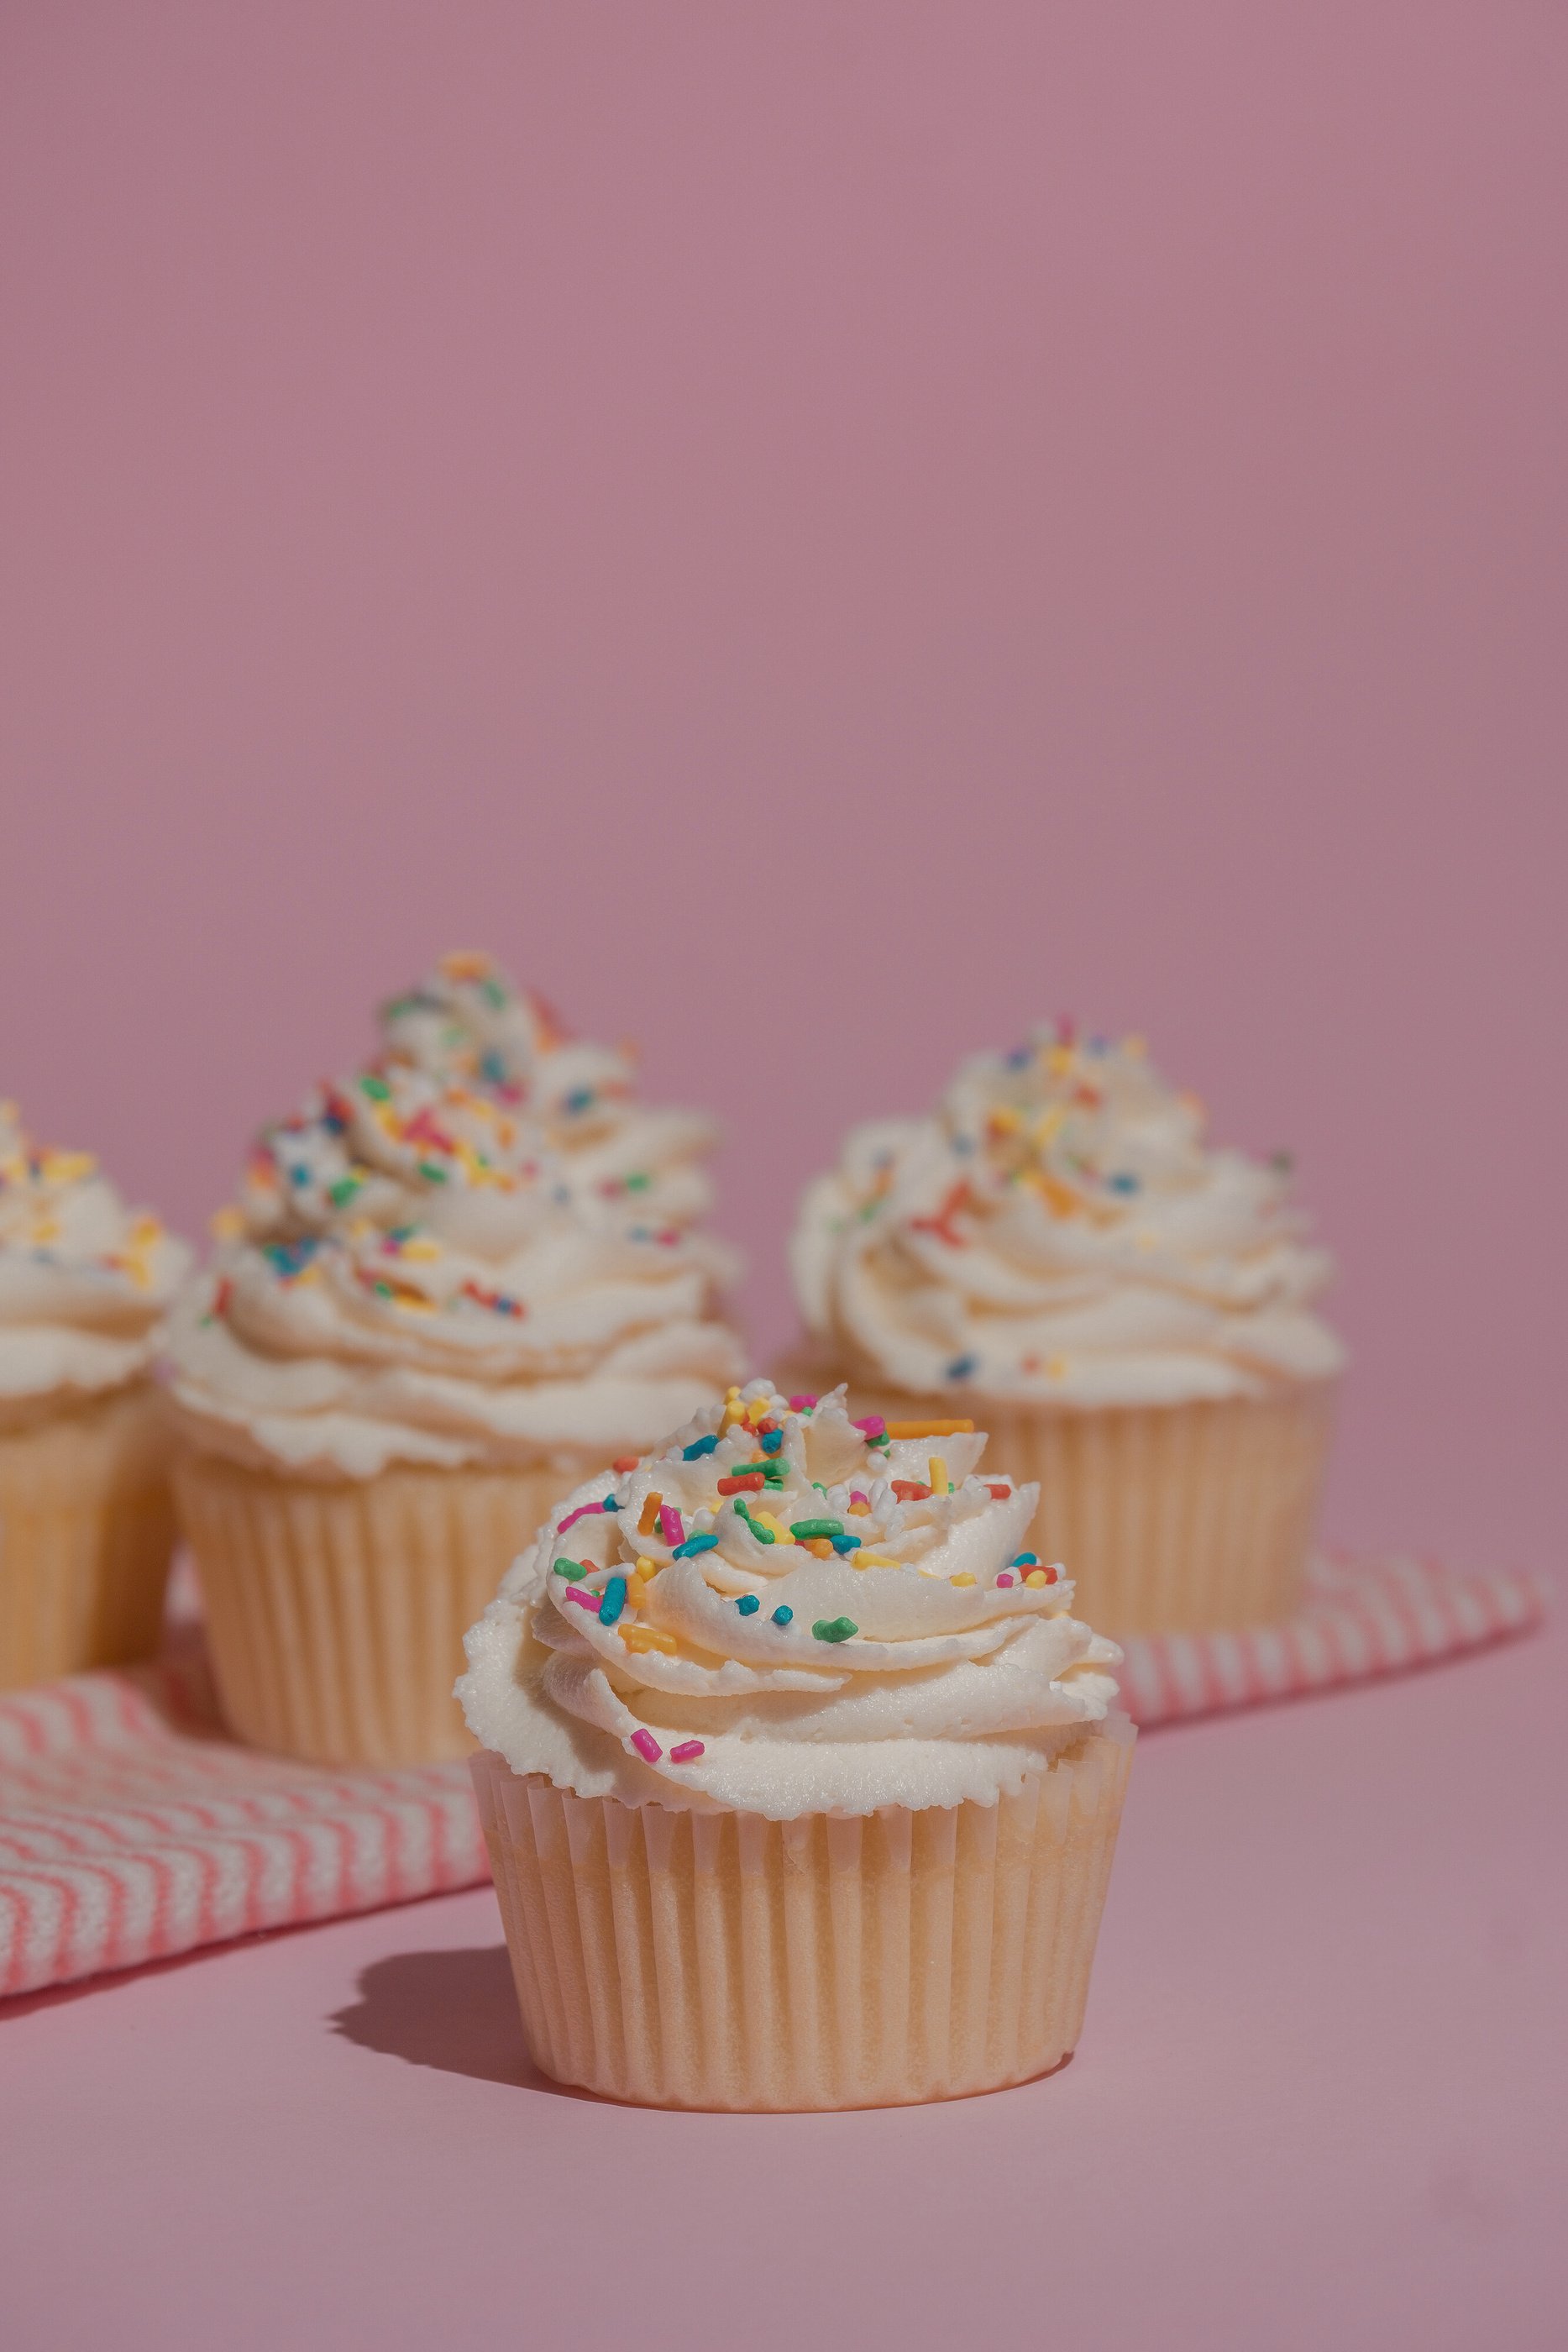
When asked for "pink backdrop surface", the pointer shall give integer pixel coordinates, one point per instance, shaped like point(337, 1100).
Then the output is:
point(822, 534)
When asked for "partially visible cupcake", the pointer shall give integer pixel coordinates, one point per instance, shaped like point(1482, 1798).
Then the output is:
point(799, 1779)
point(87, 1521)
point(1058, 1253)
point(428, 1313)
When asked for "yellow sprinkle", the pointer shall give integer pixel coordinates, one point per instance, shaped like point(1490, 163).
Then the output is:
point(1135, 1044)
point(898, 1429)
point(1056, 1369)
point(780, 1532)
point(67, 1166)
point(648, 1637)
point(650, 1518)
point(423, 1250)
point(227, 1225)
point(964, 1578)
point(936, 1473)
point(1036, 1576)
point(860, 1511)
point(648, 1569)
point(1060, 1060)
point(866, 1559)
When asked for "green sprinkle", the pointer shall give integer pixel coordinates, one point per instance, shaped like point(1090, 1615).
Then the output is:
point(803, 1530)
point(834, 1629)
point(639, 1182)
point(432, 1170)
point(377, 1088)
point(343, 1190)
point(573, 1570)
point(763, 1535)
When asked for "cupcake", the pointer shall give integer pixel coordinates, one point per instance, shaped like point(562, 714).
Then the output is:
point(451, 1286)
point(1060, 1253)
point(87, 1522)
point(799, 1780)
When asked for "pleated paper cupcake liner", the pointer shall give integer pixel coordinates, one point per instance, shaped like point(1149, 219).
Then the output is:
point(87, 1529)
point(335, 1612)
point(722, 1960)
point(1169, 1519)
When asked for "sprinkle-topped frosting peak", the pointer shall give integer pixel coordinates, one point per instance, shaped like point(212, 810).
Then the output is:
point(785, 1611)
point(84, 1281)
point(417, 1270)
point(1061, 1230)
point(467, 1021)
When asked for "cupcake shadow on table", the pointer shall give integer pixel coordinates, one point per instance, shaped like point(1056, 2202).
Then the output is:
point(1058, 1253)
point(800, 1783)
point(86, 1526)
point(451, 1284)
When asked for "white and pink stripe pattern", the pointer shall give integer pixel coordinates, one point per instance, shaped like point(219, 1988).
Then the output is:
point(1362, 1618)
point(132, 1829)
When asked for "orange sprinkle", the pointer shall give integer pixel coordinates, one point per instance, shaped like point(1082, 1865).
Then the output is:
point(650, 1518)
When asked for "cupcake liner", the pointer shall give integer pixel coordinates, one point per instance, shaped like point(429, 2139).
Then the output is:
point(722, 1961)
point(335, 1612)
point(1169, 1519)
point(87, 1529)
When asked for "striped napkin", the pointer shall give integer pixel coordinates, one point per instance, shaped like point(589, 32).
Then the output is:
point(132, 1829)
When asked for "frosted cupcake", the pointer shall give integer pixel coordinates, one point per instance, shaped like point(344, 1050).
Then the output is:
point(1060, 1253)
point(443, 1295)
point(799, 1780)
point(86, 1517)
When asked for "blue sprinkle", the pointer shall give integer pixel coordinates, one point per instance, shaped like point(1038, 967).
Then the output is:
point(845, 1543)
point(782, 1615)
point(963, 1143)
point(614, 1600)
point(963, 1368)
point(611, 1504)
point(299, 1175)
point(771, 1443)
point(579, 1098)
point(1125, 1182)
point(494, 1069)
point(692, 1545)
point(749, 1604)
point(1021, 1057)
point(1025, 1559)
point(1098, 1046)
point(695, 1451)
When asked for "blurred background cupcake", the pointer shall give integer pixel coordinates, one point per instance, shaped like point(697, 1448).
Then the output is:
point(452, 1285)
point(1058, 1252)
point(86, 1518)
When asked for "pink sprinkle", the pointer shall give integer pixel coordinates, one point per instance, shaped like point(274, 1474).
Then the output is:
point(584, 1599)
point(872, 1425)
point(647, 1747)
point(572, 1517)
point(798, 1404)
point(856, 1497)
point(670, 1525)
point(687, 1752)
point(1004, 1579)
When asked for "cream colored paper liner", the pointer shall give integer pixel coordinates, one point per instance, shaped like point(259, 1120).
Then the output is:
point(87, 1529)
point(722, 1960)
point(1169, 1519)
point(335, 1612)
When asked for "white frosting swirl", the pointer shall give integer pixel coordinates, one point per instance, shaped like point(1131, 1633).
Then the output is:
point(417, 1270)
point(1059, 1231)
point(910, 1657)
point(84, 1281)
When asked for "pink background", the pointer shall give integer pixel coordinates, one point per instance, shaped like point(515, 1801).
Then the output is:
point(822, 532)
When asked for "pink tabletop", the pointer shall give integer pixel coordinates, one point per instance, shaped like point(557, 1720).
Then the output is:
point(1318, 2101)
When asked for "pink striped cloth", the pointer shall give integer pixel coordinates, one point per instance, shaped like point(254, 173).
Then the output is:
point(132, 1829)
